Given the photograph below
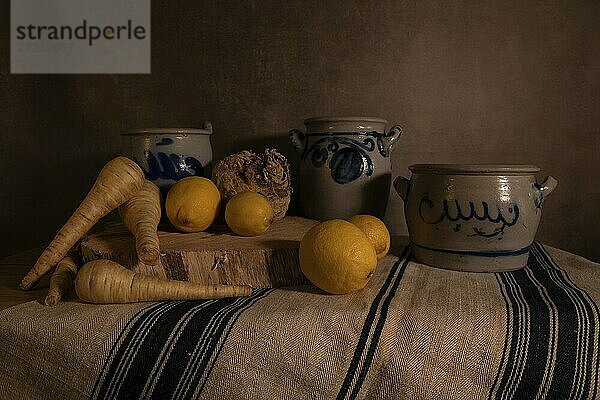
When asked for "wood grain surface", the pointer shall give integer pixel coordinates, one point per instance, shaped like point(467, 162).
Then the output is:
point(268, 260)
point(14, 267)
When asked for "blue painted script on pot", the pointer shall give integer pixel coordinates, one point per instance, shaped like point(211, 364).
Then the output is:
point(431, 213)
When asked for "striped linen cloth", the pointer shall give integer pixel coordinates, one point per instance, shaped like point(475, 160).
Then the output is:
point(415, 332)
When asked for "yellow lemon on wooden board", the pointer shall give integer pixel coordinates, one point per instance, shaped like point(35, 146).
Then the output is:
point(337, 257)
point(375, 230)
point(249, 214)
point(193, 204)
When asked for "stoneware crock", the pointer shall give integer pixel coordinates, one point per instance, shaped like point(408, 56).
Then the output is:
point(479, 218)
point(344, 166)
point(169, 154)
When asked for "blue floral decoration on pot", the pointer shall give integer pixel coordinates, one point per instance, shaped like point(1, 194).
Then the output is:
point(346, 158)
point(172, 166)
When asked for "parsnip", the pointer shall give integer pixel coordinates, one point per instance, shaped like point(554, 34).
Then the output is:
point(117, 182)
point(105, 281)
point(62, 278)
point(141, 215)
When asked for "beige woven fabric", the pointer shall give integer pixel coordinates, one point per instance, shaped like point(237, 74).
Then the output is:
point(442, 336)
point(56, 352)
point(415, 332)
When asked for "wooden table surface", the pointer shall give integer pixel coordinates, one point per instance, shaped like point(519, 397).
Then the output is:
point(12, 270)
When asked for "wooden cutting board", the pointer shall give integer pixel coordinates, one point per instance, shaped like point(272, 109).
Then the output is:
point(269, 260)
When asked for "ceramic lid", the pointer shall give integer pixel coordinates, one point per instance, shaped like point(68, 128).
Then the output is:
point(330, 125)
point(344, 119)
point(168, 131)
point(475, 169)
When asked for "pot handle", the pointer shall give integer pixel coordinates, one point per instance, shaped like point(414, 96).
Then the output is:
point(401, 184)
point(546, 187)
point(298, 138)
point(390, 138)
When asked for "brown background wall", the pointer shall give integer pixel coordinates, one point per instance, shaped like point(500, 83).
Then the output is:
point(471, 81)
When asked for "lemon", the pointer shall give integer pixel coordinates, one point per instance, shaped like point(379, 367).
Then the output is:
point(375, 230)
point(248, 214)
point(193, 204)
point(337, 257)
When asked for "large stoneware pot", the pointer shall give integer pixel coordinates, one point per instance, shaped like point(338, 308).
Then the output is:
point(344, 166)
point(479, 218)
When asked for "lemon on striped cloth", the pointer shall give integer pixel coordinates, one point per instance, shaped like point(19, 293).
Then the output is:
point(337, 257)
point(375, 230)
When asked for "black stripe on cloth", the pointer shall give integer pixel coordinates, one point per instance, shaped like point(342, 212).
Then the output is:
point(371, 330)
point(586, 337)
point(548, 349)
point(519, 332)
point(168, 350)
point(142, 319)
point(193, 376)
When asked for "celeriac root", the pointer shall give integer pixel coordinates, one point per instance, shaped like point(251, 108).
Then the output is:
point(118, 180)
point(62, 278)
point(266, 173)
point(105, 281)
point(141, 215)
